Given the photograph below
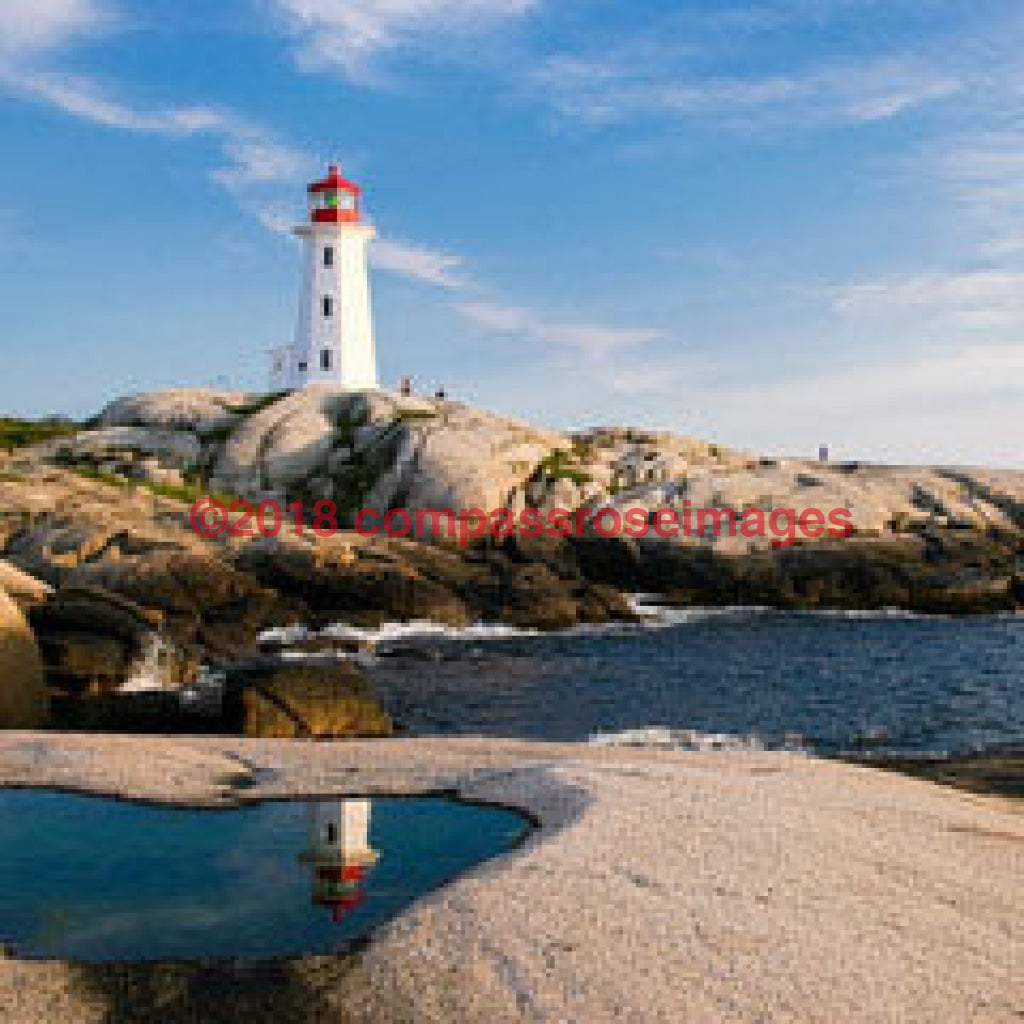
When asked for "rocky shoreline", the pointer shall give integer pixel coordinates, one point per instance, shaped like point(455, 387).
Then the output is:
point(119, 592)
point(659, 886)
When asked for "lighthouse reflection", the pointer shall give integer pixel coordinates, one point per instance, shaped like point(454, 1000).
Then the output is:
point(339, 852)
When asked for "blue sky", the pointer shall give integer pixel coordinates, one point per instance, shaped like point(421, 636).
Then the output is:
point(777, 224)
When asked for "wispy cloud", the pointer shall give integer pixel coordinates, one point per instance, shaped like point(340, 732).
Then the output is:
point(418, 262)
point(252, 162)
point(33, 31)
point(591, 340)
point(984, 175)
point(615, 88)
point(250, 156)
point(900, 376)
point(350, 35)
point(30, 27)
point(255, 159)
point(977, 299)
point(82, 98)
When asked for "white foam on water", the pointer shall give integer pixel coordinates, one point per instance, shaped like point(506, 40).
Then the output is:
point(151, 673)
point(659, 616)
point(650, 615)
point(663, 737)
point(865, 613)
point(207, 692)
point(315, 656)
point(389, 633)
point(286, 636)
point(660, 737)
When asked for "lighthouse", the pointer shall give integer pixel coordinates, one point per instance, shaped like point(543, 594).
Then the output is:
point(340, 852)
point(334, 336)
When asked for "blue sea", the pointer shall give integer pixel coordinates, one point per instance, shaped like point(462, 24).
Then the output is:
point(882, 683)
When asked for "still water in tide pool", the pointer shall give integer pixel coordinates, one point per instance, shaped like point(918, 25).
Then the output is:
point(97, 880)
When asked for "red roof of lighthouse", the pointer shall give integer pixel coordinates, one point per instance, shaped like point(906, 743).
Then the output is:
point(335, 181)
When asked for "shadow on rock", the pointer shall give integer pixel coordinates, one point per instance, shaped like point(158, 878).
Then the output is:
point(307, 991)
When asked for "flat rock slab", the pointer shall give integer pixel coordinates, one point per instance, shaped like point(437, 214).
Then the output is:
point(676, 887)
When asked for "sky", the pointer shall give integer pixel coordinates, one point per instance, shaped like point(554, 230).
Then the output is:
point(776, 224)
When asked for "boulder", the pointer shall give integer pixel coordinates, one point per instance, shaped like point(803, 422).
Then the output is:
point(24, 701)
point(597, 603)
point(967, 594)
point(331, 579)
point(554, 552)
point(201, 411)
point(200, 598)
point(94, 610)
point(85, 662)
point(152, 447)
point(382, 450)
point(26, 590)
point(304, 702)
point(533, 596)
point(92, 640)
point(278, 445)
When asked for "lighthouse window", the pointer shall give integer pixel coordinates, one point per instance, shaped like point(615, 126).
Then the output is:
point(329, 256)
point(325, 359)
point(302, 367)
point(332, 833)
point(328, 305)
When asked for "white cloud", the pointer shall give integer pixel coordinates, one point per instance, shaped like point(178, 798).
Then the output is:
point(933, 376)
point(615, 88)
point(592, 340)
point(251, 157)
point(351, 34)
point(254, 159)
point(29, 27)
point(984, 173)
point(979, 299)
point(952, 405)
point(418, 262)
point(82, 98)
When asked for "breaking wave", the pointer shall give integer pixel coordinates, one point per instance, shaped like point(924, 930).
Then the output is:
point(370, 641)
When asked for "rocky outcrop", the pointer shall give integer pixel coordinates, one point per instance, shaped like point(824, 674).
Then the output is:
point(939, 574)
point(25, 590)
point(304, 702)
point(202, 412)
point(380, 450)
point(109, 507)
point(881, 500)
point(24, 701)
point(97, 543)
point(92, 640)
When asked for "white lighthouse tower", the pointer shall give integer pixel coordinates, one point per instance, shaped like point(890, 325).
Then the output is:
point(340, 852)
point(334, 338)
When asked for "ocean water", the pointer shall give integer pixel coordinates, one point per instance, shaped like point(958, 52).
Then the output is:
point(830, 683)
point(96, 880)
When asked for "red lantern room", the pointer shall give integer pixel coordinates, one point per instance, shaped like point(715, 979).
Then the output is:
point(334, 200)
point(338, 887)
